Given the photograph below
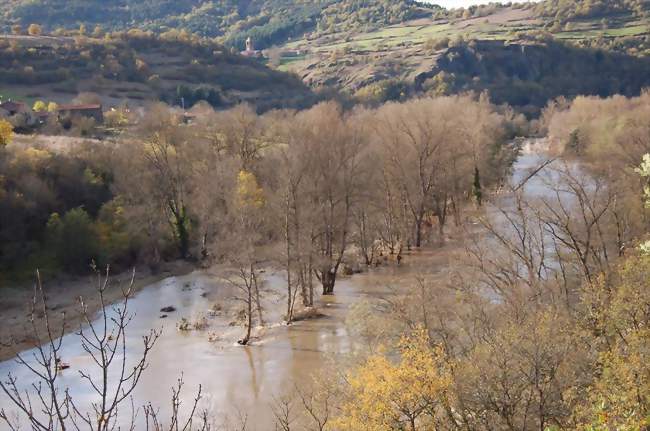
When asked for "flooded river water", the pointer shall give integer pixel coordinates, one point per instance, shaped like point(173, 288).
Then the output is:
point(234, 378)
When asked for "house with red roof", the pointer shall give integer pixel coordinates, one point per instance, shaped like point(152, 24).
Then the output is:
point(13, 108)
point(69, 112)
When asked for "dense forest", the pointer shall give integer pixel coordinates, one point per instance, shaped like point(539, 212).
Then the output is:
point(351, 15)
point(521, 74)
point(102, 188)
point(528, 75)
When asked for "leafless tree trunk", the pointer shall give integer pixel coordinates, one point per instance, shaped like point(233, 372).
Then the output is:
point(246, 281)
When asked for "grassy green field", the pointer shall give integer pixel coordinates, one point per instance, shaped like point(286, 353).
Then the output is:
point(286, 62)
point(630, 30)
point(387, 37)
point(412, 35)
point(482, 29)
point(6, 94)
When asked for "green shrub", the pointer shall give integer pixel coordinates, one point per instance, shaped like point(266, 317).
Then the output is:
point(73, 239)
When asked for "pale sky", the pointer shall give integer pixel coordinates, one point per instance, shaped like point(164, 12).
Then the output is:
point(460, 3)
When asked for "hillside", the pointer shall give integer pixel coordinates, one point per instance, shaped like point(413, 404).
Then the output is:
point(529, 75)
point(377, 50)
point(392, 61)
point(136, 67)
point(268, 21)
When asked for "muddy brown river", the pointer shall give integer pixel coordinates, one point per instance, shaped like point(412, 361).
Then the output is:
point(234, 379)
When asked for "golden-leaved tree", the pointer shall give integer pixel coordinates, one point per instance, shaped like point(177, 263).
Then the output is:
point(409, 393)
point(250, 195)
point(6, 133)
point(247, 231)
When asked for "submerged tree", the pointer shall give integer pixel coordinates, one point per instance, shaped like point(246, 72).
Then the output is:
point(433, 150)
point(244, 253)
point(336, 147)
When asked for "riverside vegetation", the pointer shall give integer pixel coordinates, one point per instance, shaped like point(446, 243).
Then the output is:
point(546, 311)
point(534, 313)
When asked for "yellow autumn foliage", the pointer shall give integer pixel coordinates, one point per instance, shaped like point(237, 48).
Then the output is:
point(40, 106)
point(249, 194)
point(34, 30)
point(406, 394)
point(6, 132)
point(32, 157)
point(620, 397)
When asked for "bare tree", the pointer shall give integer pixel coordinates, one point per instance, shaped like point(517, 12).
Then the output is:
point(51, 409)
point(433, 150)
point(155, 173)
point(412, 145)
point(246, 282)
point(213, 181)
point(196, 421)
point(246, 238)
point(317, 403)
point(106, 345)
point(579, 217)
point(512, 257)
point(297, 213)
point(336, 147)
point(240, 132)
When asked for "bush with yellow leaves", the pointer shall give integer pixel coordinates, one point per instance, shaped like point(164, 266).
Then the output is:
point(620, 314)
point(405, 394)
point(6, 133)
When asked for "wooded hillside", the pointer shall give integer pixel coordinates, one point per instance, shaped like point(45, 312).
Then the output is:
point(269, 21)
point(138, 66)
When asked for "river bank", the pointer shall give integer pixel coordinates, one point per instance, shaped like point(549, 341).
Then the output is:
point(249, 378)
point(16, 332)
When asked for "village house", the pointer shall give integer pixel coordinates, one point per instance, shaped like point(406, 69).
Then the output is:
point(18, 114)
point(24, 118)
point(13, 108)
point(70, 112)
point(41, 116)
